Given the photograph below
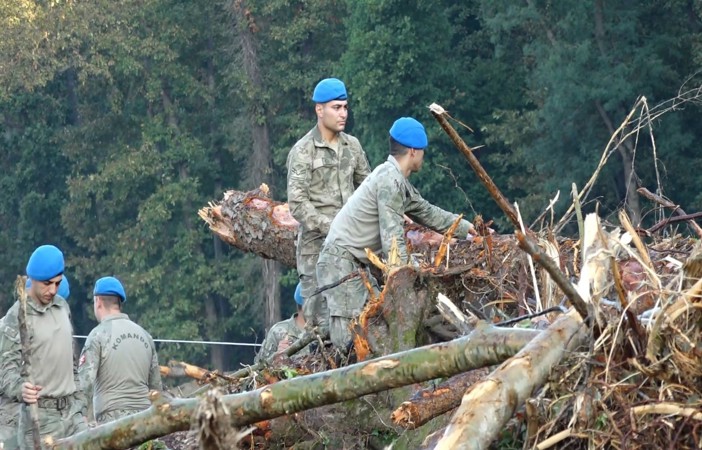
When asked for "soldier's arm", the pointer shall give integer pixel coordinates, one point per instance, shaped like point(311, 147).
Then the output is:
point(299, 175)
point(154, 371)
point(391, 217)
point(10, 361)
point(88, 366)
point(424, 213)
point(362, 169)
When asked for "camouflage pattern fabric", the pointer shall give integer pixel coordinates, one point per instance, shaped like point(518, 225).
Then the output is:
point(346, 300)
point(119, 366)
point(52, 368)
point(285, 329)
point(321, 179)
point(9, 413)
point(54, 423)
point(373, 216)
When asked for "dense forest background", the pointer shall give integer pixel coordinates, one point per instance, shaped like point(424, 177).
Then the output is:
point(120, 119)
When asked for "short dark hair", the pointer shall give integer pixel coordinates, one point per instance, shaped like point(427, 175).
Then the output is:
point(111, 301)
point(397, 149)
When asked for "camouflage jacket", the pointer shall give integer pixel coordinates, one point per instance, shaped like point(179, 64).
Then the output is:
point(52, 364)
point(321, 179)
point(374, 214)
point(119, 366)
point(286, 329)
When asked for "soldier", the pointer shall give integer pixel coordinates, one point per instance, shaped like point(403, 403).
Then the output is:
point(372, 218)
point(61, 404)
point(9, 407)
point(118, 365)
point(324, 168)
point(284, 333)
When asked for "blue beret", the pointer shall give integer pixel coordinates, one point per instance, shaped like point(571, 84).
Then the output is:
point(109, 286)
point(64, 289)
point(329, 89)
point(45, 263)
point(298, 294)
point(410, 133)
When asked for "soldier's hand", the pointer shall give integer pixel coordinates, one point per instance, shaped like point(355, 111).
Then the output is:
point(284, 344)
point(30, 392)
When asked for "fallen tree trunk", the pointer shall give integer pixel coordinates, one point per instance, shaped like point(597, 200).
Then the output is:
point(252, 222)
point(486, 346)
point(436, 400)
point(497, 397)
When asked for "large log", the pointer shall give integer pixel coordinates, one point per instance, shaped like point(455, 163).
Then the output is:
point(487, 345)
point(489, 404)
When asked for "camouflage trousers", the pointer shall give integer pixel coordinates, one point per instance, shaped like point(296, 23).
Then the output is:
point(114, 415)
point(9, 410)
point(314, 307)
point(53, 422)
point(345, 301)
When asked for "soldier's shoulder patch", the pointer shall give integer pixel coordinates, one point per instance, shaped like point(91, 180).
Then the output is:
point(81, 361)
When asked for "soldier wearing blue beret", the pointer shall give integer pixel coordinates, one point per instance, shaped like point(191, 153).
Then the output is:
point(55, 385)
point(373, 218)
point(119, 364)
point(284, 333)
point(324, 168)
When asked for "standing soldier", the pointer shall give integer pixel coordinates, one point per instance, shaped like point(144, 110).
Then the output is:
point(119, 361)
point(10, 407)
point(284, 333)
point(54, 389)
point(324, 168)
point(373, 218)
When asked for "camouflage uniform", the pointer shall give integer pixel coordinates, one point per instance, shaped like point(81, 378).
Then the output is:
point(371, 219)
point(321, 179)
point(120, 364)
point(285, 329)
point(9, 411)
point(61, 404)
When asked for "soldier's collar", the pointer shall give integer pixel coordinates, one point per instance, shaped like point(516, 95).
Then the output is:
point(41, 308)
point(115, 316)
point(320, 142)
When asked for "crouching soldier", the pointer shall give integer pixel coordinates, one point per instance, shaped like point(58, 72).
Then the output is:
point(284, 333)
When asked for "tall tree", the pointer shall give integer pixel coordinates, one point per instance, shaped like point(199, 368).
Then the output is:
point(586, 64)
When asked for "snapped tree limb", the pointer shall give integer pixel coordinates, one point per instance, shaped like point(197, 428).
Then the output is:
point(489, 404)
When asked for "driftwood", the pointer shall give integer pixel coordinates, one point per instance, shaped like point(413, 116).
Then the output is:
point(435, 400)
point(26, 346)
point(499, 395)
point(486, 346)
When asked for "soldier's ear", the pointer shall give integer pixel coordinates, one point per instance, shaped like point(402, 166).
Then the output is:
point(318, 108)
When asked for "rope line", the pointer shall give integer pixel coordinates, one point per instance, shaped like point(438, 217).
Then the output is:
point(179, 341)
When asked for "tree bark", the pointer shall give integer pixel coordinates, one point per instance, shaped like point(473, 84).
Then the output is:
point(486, 346)
point(252, 222)
point(497, 397)
point(436, 400)
point(261, 159)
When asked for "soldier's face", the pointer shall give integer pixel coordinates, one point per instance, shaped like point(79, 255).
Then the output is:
point(417, 159)
point(44, 291)
point(332, 115)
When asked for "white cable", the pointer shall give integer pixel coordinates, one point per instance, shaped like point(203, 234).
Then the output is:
point(178, 341)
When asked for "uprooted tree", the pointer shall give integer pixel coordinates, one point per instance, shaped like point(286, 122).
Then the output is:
point(620, 369)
